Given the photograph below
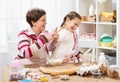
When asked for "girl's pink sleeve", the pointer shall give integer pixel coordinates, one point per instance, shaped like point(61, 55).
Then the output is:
point(75, 50)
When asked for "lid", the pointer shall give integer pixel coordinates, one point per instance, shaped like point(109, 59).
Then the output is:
point(102, 54)
point(106, 38)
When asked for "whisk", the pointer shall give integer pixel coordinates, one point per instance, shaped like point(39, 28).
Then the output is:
point(64, 26)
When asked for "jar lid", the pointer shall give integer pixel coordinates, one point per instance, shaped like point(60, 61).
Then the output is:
point(106, 38)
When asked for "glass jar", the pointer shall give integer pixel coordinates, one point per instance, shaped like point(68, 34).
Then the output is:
point(102, 59)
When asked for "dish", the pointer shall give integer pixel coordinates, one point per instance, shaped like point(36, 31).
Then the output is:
point(55, 61)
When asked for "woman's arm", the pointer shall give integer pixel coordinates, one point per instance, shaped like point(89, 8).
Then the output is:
point(27, 48)
point(52, 44)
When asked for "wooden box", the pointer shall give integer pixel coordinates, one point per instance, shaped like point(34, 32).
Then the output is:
point(106, 16)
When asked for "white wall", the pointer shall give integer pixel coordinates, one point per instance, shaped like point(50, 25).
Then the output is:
point(56, 10)
point(8, 55)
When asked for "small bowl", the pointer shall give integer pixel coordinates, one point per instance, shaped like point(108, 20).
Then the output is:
point(55, 61)
point(96, 74)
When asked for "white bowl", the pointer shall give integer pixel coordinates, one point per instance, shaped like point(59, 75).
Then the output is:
point(55, 61)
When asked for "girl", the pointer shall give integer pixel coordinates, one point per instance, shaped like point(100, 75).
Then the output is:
point(67, 46)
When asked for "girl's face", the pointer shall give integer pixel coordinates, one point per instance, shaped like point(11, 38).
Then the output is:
point(74, 23)
point(39, 26)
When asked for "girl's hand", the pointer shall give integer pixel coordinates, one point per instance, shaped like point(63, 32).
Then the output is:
point(79, 56)
point(82, 58)
point(67, 58)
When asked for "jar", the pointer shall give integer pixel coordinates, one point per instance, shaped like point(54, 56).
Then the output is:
point(102, 59)
point(91, 10)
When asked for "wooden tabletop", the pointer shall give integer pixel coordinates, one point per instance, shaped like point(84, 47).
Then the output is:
point(73, 78)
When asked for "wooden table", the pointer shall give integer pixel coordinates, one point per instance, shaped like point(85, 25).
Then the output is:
point(73, 78)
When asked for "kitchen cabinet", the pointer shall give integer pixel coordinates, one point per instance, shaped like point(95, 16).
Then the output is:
point(91, 29)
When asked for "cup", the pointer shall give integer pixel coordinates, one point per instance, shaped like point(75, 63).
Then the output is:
point(83, 18)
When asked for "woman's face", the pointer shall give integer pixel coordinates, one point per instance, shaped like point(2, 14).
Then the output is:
point(40, 24)
point(74, 23)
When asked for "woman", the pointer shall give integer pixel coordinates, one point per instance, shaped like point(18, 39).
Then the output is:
point(67, 46)
point(35, 42)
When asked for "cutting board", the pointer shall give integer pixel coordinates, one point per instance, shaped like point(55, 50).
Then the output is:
point(68, 69)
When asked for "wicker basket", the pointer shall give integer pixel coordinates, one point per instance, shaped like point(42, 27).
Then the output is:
point(106, 44)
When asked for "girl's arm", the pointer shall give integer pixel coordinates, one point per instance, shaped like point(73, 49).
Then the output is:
point(75, 51)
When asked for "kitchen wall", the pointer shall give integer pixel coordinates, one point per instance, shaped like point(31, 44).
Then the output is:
point(8, 55)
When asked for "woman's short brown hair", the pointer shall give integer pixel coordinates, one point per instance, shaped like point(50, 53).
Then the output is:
point(34, 15)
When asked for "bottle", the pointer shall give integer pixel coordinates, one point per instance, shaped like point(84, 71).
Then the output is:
point(114, 16)
point(92, 14)
point(91, 10)
point(102, 59)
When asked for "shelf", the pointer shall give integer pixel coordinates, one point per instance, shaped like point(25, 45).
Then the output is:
point(104, 23)
point(87, 43)
point(88, 22)
point(99, 27)
point(108, 48)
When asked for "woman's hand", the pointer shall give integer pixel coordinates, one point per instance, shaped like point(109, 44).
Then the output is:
point(49, 37)
point(56, 36)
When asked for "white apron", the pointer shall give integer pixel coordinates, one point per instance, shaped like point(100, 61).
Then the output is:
point(39, 58)
point(65, 44)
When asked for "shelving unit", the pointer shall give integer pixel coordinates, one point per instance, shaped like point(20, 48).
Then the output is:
point(98, 27)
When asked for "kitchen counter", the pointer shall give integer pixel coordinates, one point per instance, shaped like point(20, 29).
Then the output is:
point(72, 78)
